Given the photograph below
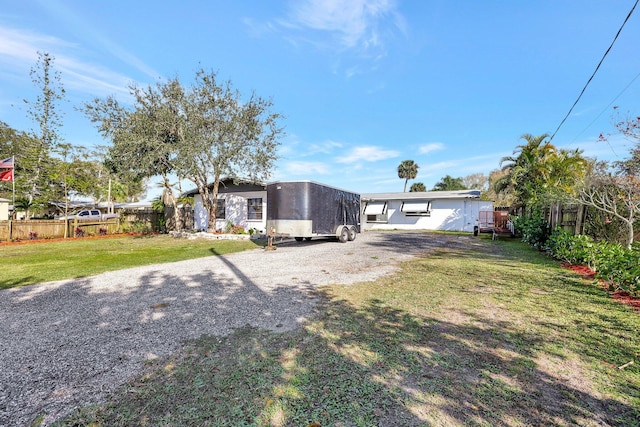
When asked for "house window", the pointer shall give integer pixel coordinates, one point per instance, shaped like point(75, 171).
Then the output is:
point(376, 211)
point(220, 209)
point(413, 208)
point(254, 209)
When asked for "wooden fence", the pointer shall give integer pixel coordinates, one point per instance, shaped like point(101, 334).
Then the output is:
point(569, 217)
point(130, 220)
point(49, 229)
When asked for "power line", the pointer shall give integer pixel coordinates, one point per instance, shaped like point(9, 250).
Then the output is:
point(595, 71)
point(607, 107)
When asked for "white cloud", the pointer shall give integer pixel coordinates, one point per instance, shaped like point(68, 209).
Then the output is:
point(306, 168)
point(293, 147)
point(433, 146)
point(19, 53)
point(67, 15)
point(353, 24)
point(20, 47)
point(367, 154)
point(325, 147)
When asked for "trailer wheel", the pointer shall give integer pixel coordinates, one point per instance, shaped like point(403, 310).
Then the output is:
point(298, 239)
point(308, 239)
point(352, 233)
point(344, 235)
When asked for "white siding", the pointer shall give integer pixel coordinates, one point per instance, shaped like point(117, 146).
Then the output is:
point(235, 210)
point(445, 214)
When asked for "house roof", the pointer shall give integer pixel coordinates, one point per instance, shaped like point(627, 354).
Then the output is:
point(228, 185)
point(423, 195)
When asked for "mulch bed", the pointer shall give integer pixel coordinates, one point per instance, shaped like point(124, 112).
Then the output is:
point(620, 296)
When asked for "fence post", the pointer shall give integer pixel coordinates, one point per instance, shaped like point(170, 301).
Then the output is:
point(10, 230)
point(580, 218)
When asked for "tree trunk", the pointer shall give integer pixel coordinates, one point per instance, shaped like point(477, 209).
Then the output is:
point(212, 201)
point(168, 193)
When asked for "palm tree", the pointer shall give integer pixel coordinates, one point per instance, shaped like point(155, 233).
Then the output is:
point(417, 187)
point(539, 172)
point(527, 169)
point(449, 183)
point(407, 169)
point(23, 204)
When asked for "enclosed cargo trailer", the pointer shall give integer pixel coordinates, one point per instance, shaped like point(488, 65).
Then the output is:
point(307, 209)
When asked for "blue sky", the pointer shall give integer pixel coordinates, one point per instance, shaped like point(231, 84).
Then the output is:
point(364, 84)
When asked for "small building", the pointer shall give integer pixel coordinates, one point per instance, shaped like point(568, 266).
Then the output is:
point(241, 203)
point(429, 210)
point(4, 209)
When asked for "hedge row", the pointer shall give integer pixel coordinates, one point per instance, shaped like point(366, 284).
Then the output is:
point(617, 265)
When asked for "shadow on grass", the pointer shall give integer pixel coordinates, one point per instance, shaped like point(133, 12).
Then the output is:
point(16, 283)
point(366, 366)
point(423, 370)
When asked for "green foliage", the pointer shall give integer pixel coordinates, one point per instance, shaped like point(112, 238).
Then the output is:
point(417, 187)
point(534, 229)
point(602, 226)
point(378, 353)
point(201, 132)
point(47, 261)
point(574, 249)
point(139, 227)
point(538, 172)
point(449, 183)
point(231, 228)
point(37, 158)
point(407, 169)
point(617, 265)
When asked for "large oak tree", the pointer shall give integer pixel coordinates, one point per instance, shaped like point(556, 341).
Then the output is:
point(204, 133)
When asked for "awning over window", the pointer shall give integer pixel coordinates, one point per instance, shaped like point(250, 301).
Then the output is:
point(375, 208)
point(421, 207)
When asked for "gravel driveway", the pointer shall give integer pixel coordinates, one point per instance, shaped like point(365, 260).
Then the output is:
point(68, 343)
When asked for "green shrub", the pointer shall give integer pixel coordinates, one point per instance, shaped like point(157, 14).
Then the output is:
point(238, 229)
point(534, 230)
point(619, 266)
point(574, 249)
point(138, 227)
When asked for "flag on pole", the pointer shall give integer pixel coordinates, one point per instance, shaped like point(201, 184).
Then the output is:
point(6, 163)
point(6, 175)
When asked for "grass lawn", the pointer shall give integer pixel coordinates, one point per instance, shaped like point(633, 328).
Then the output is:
point(495, 335)
point(26, 264)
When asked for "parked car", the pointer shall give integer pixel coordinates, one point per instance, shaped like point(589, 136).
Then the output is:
point(89, 215)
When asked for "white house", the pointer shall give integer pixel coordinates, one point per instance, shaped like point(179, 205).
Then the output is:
point(240, 203)
point(245, 204)
point(429, 210)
